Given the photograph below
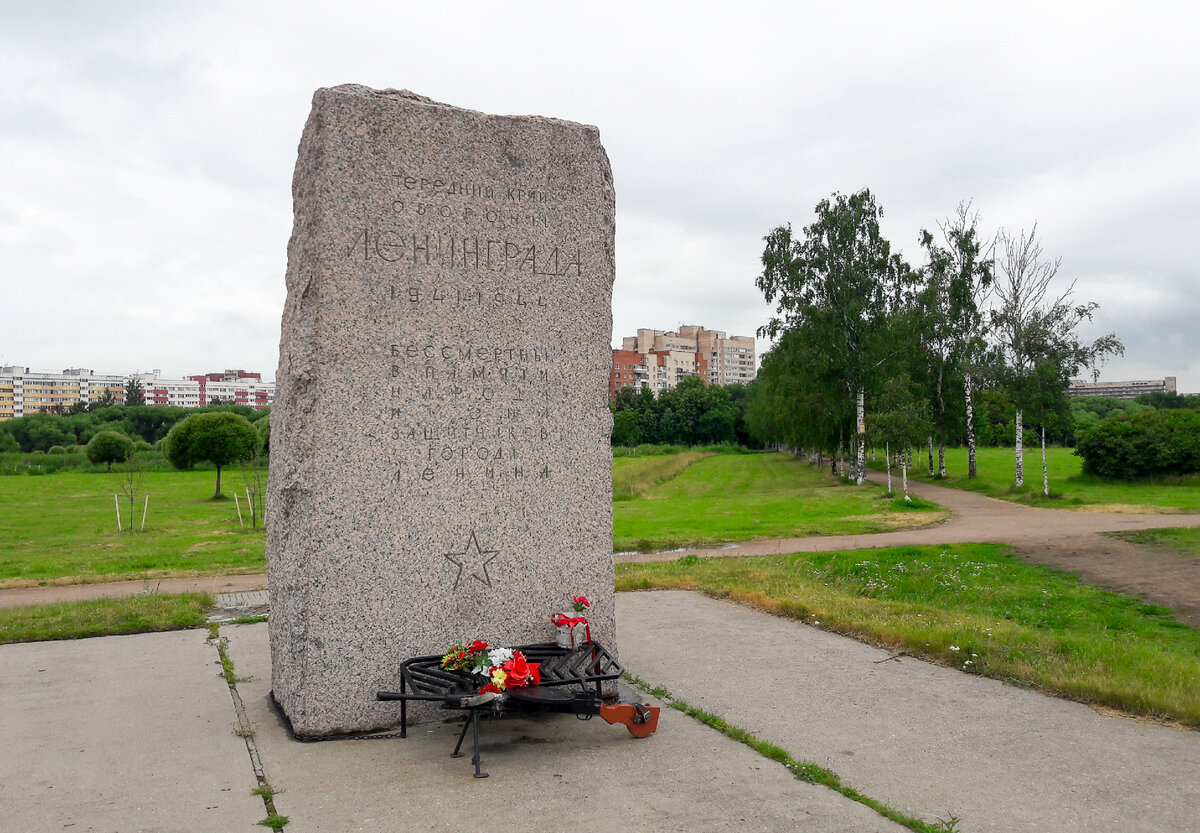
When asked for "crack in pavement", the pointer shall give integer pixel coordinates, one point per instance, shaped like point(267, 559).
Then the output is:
point(245, 730)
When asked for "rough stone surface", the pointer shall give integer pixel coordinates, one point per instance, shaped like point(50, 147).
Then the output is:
point(440, 467)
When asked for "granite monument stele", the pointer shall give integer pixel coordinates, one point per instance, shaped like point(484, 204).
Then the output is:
point(440, 461)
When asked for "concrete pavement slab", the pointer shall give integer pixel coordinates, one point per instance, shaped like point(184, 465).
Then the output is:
point(550, 774)
point(925, 739)
point(124, 733)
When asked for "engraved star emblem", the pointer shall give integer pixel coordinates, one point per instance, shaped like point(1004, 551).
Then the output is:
point(476, 558)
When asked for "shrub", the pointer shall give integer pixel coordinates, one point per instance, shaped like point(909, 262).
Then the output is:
point(56, 449)
point(1134, 446)
point(109, 447)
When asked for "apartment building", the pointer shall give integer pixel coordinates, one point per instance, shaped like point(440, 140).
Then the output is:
point(1122, 390)
point(238, 386)
point(658, 360)
point(24, 392)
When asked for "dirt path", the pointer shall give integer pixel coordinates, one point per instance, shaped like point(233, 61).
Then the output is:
point(1065, 540)
point(112, 589)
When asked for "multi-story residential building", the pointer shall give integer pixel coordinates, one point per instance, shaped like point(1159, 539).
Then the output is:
point(658, 360)
point(24, 392)
point(1122, 390)
point(237, 386)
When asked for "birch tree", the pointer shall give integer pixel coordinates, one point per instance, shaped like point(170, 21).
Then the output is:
point(840, 286)
point(901, 418)
point(958, 283)
point(1035, 335)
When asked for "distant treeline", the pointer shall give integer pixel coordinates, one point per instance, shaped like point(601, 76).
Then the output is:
point(141, 423)
point(697, 414)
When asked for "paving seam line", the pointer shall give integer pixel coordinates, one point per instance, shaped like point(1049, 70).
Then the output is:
point(244, 729)
point(801, 770)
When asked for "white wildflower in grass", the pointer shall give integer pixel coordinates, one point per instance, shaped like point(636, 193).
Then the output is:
point(954, 648)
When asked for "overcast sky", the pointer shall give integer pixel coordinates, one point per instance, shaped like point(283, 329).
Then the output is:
point(146, 150)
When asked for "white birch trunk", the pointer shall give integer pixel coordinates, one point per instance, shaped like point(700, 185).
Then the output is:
point(942, 460)
point(861, 463)
point(1020, 451)
point(887, 454)
point(970, 428)
point(931, 455)
point(1045, 470)
point(904, 475)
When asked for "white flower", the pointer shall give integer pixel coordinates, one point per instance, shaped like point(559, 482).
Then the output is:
point(499, 656)
point(954, 648)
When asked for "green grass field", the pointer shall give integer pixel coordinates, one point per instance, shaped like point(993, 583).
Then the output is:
point(63, 527)
point(743, 497)
point(1069, 487)
point(103, 617)
point(973, 607)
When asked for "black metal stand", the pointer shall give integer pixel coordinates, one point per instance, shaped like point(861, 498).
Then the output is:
point(423, 678)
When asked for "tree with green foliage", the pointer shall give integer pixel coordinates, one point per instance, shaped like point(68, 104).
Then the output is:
point(840, 288)
point(263, 426)
point(1167, 400)
point(37, 432)
point(135, 394)
point(1132, 446)
point(1035, 338)
point(901, 419)
point(109, 447)
point(790, 406)
point(219, 437)
point(106, 400)
point(958, 281)
point(626, 428)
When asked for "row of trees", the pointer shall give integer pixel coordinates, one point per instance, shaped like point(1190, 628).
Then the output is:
point(869, 347)
point(691, 413)
point(217, 437)
point(140, 423)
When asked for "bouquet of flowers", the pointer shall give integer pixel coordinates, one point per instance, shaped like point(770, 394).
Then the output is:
point(502, 668)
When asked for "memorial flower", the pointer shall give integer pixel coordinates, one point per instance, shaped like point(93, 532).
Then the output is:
point(580, 603)
point(471, 657)
point(502, 668)
point(498, 656)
